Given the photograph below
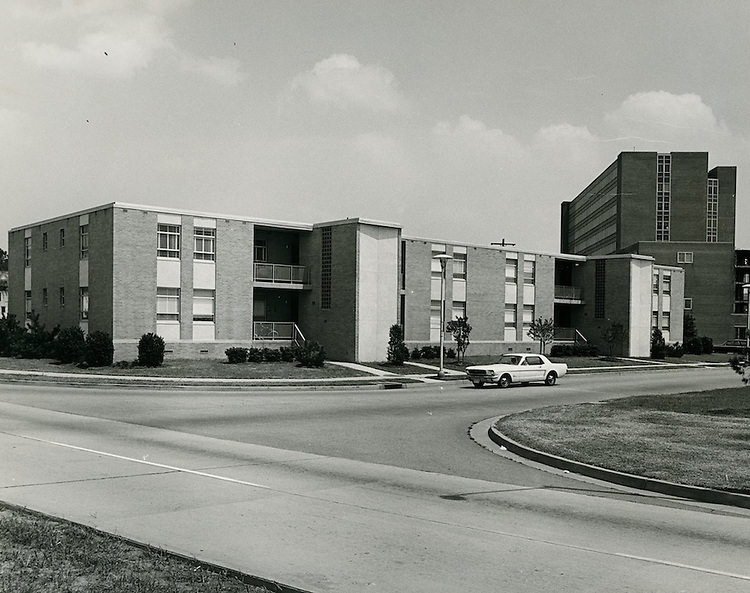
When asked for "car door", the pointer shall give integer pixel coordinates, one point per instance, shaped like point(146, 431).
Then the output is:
point(536, 368)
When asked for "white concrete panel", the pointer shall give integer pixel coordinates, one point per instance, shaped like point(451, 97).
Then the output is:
point(666, 302)
point(204, 274)
point(511, 294)
point(168, 273)
point(27, 278)
point(639, 323)
point(83, 219)
point(529, 294)
point(83, 272)
point(169, 330)
point(435, 289)
point(459, 290)
point(169, 218)
point(206, 223)
point(204, 331)
point(84, 325)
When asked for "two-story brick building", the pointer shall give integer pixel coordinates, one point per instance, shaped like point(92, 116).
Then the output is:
point(205, 282)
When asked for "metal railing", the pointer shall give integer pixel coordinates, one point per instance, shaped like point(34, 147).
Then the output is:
point(573, 293)
point(570, 335)
point(280, 273)
point(286, 331)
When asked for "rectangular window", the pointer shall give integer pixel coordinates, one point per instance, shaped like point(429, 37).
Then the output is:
point(666, 283)
point(663, 195)
point(688, 304)
point(684, 257)
point(459, 309)
point(203, 305)
point(261, 250)
point(61, 296)
point(655, 283)
point(44, 241)
point(599, 288)
point(434, 320)
point(529, 272)
point(45, 297)
point(326, 243)
point(168, 241)
point(62, 237)
point(528, 318)
point(84, 241)
point(27, 252)
point(665, 319)
point(84, 302)
point(712, 211)
point(459, 266)
point(204, 247)
point(167, 304)
point(27, 303)
point(511, 271)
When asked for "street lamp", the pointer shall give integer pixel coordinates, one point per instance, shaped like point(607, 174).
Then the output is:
point(746, 298)
point(443, 259)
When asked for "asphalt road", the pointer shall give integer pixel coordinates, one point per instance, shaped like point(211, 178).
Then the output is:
point(362, 490)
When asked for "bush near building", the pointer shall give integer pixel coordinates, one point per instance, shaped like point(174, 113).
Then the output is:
point(150, 350)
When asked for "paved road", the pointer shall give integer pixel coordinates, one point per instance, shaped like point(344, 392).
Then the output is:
point(362, 490)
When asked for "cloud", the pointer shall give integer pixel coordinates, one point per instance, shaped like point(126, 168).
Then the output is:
point(654, 114)
point(471, 142)
point(343, 82)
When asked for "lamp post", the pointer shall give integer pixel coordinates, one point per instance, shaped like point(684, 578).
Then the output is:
point(443, 259)
point(746, 297)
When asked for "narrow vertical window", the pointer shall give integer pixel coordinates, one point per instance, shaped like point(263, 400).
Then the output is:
point(459, 266)
point(84, 241)
point(261, 250)
point(599, 287)
point(325, 267)
point(62, 237)
point(663, 195)
point(167, 304)
point(528, 318)
point(45, 297)
point(84, 302)
point(168, 241)
point(203, 305)
point(61, 296)
point(44, 241)
point(511, 271)
point(27, 303)
point(27, 252)
point(529, 272)
point(204, 244)
point(712, 211)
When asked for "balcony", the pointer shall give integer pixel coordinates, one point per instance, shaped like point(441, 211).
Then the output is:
point(281, 276)
point(278, 331)
point(568, 294)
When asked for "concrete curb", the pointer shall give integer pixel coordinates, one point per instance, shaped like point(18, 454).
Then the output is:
point(631, 481)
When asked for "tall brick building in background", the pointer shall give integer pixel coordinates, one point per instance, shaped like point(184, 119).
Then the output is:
point(672, 208)
point(205, 282)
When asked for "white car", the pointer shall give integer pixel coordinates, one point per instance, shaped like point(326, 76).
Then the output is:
point(517, 368)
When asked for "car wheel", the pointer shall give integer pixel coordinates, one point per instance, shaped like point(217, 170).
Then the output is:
point(551, 378)
point(478, 385)
point(504, 381)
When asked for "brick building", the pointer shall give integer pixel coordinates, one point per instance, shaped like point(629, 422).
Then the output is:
point(672, 208)
point(205, 282)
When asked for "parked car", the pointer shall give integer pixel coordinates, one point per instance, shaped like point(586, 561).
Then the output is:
point(517, 368)
point(738, 346)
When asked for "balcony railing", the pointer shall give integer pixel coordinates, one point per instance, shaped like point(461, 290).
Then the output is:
point(286, 331)
point(568, 293)
point(569, 335)
point(280, 273)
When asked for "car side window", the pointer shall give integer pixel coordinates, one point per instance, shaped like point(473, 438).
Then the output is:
point(535, 360)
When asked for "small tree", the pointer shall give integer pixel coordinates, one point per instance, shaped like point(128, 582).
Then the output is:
point(3, 260)
point(740, 366)
point(689, 330)
point(460, 328)
point(614, 335)
point(543, 331)
point(658, 345)
point(397, 350)
point(100, 350)
point(150, 350)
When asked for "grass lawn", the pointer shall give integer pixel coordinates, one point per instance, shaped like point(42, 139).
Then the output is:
point(698, 439)
point(42, 554)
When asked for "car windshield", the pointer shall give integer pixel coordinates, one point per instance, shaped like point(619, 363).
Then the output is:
point(510, 359)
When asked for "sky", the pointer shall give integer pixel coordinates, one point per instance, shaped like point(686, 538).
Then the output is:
point(464, 120)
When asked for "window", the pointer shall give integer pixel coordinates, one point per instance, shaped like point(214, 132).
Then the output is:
point(459, 266)
point(61, 296)
point(684, 257)
point(434, 320)
point(167, 304)
point(203, 305)
point(325, 267)
point(665, 319)
point(655, 283)
point(62, 237)
point(168, 243)
point(511, 271)
point(688, 304)
point(204, 244)
point(599, 288)
point(27, 303)
point(529, 272)
point(510, 317)
point(27, 252)
point(45, 297)
point(261, 250)
point(663, 195)
point(666, 283)
point(44, 241)
point(712, 211)
point(84, 302)
point(528, 318)
point(459, 309)
point(84, 241)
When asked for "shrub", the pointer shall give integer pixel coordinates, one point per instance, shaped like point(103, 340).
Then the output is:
point(570, 350)
point(416, 354)
point(675, 350)
point(658, 346)
point(99, 349)
point(707, 344)
point(36, 341)
point(254, 355)
point(236, 354)
point(397, 350)
point(271, 355)
point(694, 346)
point(310, 355)
point(451, 353)
point(150, 350)
point(69, 345)
point(11, 333)
point(287, 354)
point(430, 352)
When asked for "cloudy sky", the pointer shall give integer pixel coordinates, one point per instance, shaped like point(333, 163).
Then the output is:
point(464, 120)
